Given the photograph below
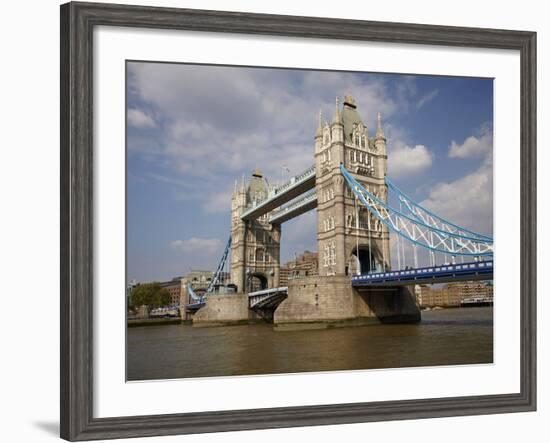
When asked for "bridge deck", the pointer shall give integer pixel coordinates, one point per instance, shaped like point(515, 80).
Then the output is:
point(194, 307)
point(298, 185)
point(426, 275)
point(267, 298)
point(268, 291)
point(296, 208)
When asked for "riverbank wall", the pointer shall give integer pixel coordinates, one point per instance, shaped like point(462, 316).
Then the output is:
point(135, 322)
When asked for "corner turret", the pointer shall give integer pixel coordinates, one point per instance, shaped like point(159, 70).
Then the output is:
point(337, 127)
point(319, 133)
point(380, 138)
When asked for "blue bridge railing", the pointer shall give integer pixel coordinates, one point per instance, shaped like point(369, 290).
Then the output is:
point(482, 270)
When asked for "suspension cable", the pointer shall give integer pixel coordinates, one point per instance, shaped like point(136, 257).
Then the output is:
point(370, 246)
point(403, 241)
point(357, 236)
point(398, 252)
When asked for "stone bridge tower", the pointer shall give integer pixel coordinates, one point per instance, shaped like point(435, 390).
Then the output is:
point(348, 236)
point(255, 245)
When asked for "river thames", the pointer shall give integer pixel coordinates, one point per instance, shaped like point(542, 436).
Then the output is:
point(443, 337)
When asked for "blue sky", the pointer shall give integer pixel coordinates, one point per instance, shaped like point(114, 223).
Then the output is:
point(193, 130)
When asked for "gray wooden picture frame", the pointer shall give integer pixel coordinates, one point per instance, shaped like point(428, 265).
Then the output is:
point(77, 24)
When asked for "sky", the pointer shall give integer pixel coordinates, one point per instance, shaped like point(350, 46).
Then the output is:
point(192, 130)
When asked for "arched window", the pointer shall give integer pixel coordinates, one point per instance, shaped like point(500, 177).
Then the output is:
point(332, 254)
point(326, 256)
point(327, 136)
point(259, 255)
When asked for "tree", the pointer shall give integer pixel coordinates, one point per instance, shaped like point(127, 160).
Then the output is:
point(151, 295)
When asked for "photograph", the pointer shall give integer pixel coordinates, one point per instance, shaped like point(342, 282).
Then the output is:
point(276, 221)
point(284, 220)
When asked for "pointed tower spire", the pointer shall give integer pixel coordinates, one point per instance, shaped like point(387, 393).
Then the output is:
point(337, 115)
point(320, 124)
point(379, 131)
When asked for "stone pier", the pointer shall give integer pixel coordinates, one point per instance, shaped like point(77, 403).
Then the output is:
point(324, 302)
point(224, 310)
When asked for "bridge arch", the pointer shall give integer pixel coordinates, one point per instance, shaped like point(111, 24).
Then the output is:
point(256, 281)
point(367, 262)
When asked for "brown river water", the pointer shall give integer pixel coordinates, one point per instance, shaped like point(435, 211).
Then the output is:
point(443, 337)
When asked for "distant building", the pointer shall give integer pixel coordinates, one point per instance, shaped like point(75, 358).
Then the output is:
point(472, 289)
point(304, 265)
point(284, 273)
point(452, 294)
point(174, 288)
point(199, 279)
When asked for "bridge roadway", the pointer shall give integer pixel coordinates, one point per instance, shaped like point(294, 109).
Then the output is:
point(194, 307)
point(482, 270)
point(296, 186)
point(267, 298)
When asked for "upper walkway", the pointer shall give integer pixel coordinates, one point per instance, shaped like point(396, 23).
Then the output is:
point(294, 208)
point(297, 185)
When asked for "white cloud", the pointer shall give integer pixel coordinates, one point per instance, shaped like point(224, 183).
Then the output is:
point(197, 245)
point(217, 202)
point(474, 146)
point(139, 119)
point(167, 179)
point(406, 161)
point(467, 201)
point(232, 120)
point(427, 98)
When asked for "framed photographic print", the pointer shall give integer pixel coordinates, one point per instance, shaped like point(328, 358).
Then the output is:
point(337, 214)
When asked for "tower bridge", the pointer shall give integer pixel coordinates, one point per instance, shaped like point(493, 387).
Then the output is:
point(349, 188)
